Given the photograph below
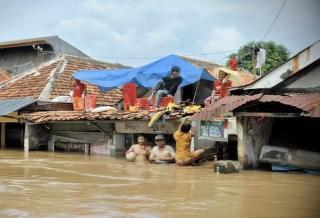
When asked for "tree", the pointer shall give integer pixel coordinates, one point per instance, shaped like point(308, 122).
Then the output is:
point(275, 55)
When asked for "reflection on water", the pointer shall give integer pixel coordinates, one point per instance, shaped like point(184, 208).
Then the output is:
point(68, 185)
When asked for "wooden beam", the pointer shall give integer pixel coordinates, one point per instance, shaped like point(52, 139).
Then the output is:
point(3, 136)
point(79, 121)
point(49, 107)
point(262, 114)
point(141, 126)
point(101, 129)
point(9, 118)
point(26, 137)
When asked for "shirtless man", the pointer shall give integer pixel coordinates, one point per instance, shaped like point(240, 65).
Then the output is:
point(141, 150)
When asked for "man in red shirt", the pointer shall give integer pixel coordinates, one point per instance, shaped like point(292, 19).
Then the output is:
point(233, 63)
point(221, 88)
point(78, 89)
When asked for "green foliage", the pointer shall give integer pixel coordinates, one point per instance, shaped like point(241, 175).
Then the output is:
point(275, 55)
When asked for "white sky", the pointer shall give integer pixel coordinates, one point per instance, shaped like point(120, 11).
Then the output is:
point(119, 30)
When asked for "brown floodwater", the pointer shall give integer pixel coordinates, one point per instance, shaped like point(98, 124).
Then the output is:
point(41, 184)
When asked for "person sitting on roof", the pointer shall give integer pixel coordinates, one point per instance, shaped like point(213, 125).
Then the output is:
point(167, 86)
point(221, 88)
point(183, 137)
point(78, 92)
point(233, 63)
point(161, 153)
point(139, 151)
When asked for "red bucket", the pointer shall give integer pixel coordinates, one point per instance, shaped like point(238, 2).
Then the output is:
point(129, 95)
point(143, 104)
point(90, 102)
point(166, 100)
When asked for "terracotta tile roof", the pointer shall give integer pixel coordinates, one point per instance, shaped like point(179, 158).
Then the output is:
point(29, 84)
point(246, 77)
point(309, 104)
point(61, 86)
point(47, 116)
point(4, 76)
point(51, 79)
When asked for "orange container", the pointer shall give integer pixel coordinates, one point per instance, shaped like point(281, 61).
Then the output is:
point(129, 95)
point(90, 102)
point(143, 104)
point(166, 100)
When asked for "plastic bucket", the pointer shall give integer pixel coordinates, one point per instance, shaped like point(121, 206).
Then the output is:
point(91, 102)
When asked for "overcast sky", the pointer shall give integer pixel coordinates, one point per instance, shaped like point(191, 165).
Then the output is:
point(136, 32)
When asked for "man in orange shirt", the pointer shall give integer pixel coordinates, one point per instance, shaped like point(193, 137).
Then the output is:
point(183, 137)
point(78, 89)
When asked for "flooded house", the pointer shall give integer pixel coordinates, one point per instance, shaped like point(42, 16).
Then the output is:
point(43, 84)
point(103, 132)
point(46, 123)
point(278, 115)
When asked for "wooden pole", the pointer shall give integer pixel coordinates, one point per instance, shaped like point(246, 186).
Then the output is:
point(26, 137)
point(3, 136)
point(253, 62)
point(195, 93)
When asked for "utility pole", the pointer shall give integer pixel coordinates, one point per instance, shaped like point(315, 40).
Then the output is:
point(253, 55)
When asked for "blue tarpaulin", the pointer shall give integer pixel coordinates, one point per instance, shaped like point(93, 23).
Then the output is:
point(145, 76)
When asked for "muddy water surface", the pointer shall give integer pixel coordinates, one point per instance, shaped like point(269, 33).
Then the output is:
point(40, 184)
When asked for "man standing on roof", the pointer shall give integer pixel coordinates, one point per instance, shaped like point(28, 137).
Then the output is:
point(167, 86)
point(221, 88)
point(78, 92)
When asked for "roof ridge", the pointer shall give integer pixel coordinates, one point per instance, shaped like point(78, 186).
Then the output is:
point(30, 71)
point(44, 95)
point(26, 40)
point(92, 60)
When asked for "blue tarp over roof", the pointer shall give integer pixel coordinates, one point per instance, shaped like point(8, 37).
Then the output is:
point(145, 76)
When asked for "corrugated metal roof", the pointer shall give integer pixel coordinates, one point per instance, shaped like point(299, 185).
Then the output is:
point(10, 105)
point(224, 105)
point(309, 103)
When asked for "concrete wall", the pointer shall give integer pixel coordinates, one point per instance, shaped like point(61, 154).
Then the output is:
point(62, 47)
point(85, 137)
point(38, 137)
point(19, 59)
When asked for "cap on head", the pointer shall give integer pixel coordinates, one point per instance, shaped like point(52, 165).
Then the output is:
point(175, 69)
point(159, 137)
